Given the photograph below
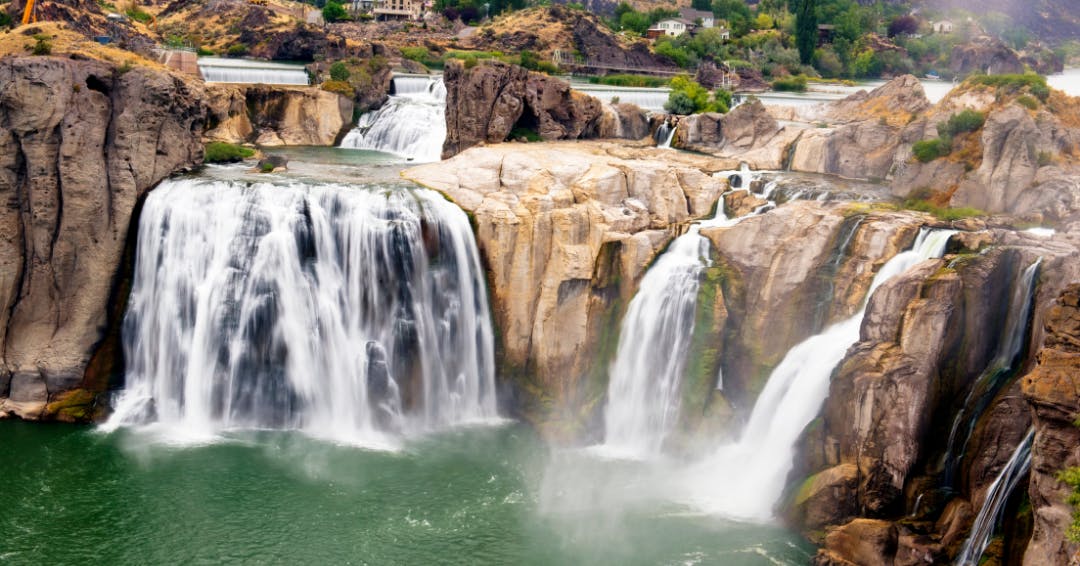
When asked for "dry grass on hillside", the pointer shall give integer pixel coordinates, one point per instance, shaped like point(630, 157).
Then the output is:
point(20, 42)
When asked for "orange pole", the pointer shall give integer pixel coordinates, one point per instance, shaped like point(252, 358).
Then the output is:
point(28, 12)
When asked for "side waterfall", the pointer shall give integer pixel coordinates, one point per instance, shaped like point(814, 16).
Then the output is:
point(990, 514)
point(244, 71)
point(410, 124)
point(745, 479)
point(997, 374)
point(655, 334)
point(665, 134)
point(345, 311)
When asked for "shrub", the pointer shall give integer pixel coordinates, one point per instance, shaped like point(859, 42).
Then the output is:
point(221, 152)
point(929, 150)
point(689, 97)
point(1028, 102)
point(1011, 84)
point(334, 12)
point(795, 83)
point(266, 167)
point(237, 50)
point(340, 87)
point(417, 54)
point(42, 45)
point(528, 134)
point(964, 122)
point(204, 52)
point(339, 72)
point(5, 19)
point(679, 102)
point(139, 15)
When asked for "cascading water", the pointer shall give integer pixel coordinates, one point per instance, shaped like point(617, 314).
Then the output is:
point(218, 70)
point(643, 394)
point(743, 480)
point(997, 374)
point(990, 514)
point(651, 99)
point(410, 124)
point(665, 134)
point(348, 312)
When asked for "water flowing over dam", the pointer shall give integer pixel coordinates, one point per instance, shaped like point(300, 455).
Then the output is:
point(243, 71)
point(411, 123)
point(344, 311)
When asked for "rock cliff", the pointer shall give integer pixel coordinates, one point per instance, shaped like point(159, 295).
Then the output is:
point(277, 115)
point(80, 144)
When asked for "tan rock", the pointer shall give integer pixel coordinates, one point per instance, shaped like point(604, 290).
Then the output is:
point(278, 115)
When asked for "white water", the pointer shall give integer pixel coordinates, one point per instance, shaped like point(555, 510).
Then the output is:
point(410, 124)
point(651, 99)
point(219, 70)
point(665, 135)
point(990, 514)
point(997, 373)
point(743, 480)
point(347, 312)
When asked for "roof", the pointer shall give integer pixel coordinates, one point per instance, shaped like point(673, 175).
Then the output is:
point(683, 21)
point(692, 14)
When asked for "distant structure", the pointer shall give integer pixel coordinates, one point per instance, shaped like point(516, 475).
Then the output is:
point(943, 26)
point(706, 18)
point(672, 27)
point(825, 33)
point(398, 9)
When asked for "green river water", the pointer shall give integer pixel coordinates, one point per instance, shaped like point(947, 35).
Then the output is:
point(485, 495)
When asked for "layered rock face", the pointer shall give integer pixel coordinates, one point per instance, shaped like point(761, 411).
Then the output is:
point(276, 115)
point(985, 55)
point(748, 133)
point(80, 143)
point(566, 231)
point(486, 102)
point(1053, 391)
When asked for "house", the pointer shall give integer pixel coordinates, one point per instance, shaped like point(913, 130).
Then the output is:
point(362, 6)
point(398, 9)
point(943, 26)
point(825, 33)
point(673, 27)
point(705, 17)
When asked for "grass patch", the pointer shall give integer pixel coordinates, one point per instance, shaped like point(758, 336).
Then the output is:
point(928, 150)
point(1014, 84)
point(139, 15)
point(221, 152)
point(528, 134)
point(1027, 102)
point(942, 212)
point(640, 81)
point(796, 83)
point(339, 87)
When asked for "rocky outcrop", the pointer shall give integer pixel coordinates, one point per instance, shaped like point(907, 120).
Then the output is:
point(623, 121)
point(488, 101)
point(304, 42)
point(277, 115)
point(748, 134)
point(1053, 391)
point(984, 54)
point(565, 232)
point(80, 144)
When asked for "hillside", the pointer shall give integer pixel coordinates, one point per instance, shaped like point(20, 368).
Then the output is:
point(1049, 20)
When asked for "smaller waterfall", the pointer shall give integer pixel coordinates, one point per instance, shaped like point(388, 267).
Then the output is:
point(744, 479)
point(654, 337)
point(990, 514)
point(245, 71)
point(997, 374)
point(651, 99)
point(665, 134)
point(410, 124)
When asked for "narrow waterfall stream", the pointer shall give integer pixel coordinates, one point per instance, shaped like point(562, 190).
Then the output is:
point(743, 480)
point(345, 311)
point(990, 513)
point(410, 124)
point(997, 374)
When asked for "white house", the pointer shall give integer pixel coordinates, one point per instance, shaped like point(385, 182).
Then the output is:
point(673, 27)
point(704, 16)
point(943, 26)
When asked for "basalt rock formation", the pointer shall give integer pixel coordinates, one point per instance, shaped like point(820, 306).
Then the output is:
point(277, 115)
point(80, 143)
point(485, 103)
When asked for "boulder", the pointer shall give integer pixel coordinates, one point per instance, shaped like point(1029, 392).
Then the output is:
point(863, 542)
point(80, 144)
point(984, 54)
point(277, 115)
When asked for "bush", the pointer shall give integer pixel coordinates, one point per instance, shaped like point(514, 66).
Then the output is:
point(334, 12)
point(221, 152)
point(689, 97)
point(1011, 84)
point(679, 102)
point(340, 87)
point(929, 150)
point(139, 15)
point(528, 134)
point(964, 122)
point(795, 83)
point(417, 54)
point(5, 19)
point(204, 52)
point(630, 80)
point(339, 72)
point(42, 45)
point(266, 167)
point(1028, 102)
point(237, 50)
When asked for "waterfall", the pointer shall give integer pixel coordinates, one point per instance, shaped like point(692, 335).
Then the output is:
point(654, 337)
point(218, 70)
point(651, 99)
point(997, 374)
point(990, 514)
point(665, 134)
point(410, 124)
point(744, 479)
point(348, 312)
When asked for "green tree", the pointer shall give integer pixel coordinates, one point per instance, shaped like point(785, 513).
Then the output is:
point(339, 72)
point(334, 12)
point(634, 21)
point(805, 29)
point(704, 5)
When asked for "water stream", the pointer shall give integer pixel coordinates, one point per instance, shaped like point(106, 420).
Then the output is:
point(411, 124)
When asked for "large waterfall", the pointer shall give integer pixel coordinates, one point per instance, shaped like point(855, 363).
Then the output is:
point(990, 514)
point(997, 374)
point(218, 70)
point(744, 479)
point(410, 124)
point(346, 311)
